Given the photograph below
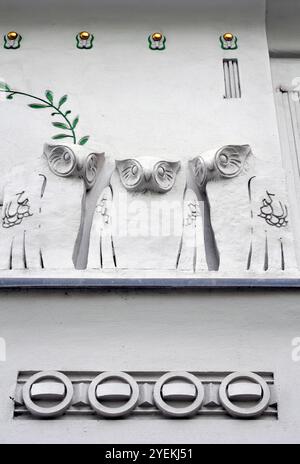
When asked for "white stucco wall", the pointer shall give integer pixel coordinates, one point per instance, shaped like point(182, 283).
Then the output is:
point(152, 330)
point(133, 101)
point(137, 102)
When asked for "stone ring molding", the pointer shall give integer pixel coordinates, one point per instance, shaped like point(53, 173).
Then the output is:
point(107, 411)
point(44, 411)
point(172, 411)
point(177, 394)
point(244, 412)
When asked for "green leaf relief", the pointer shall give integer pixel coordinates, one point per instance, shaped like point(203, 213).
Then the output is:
point(4, 86)
point(62, 100)
point(61, 136)
point(49, 95)
point(75, 122)
point(37, 106)
point(83, 140)
point(61, 125)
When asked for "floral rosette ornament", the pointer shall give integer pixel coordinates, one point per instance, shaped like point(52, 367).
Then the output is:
point(157, 41)
point(84, 40)
point(12, 40)
point(229, 41)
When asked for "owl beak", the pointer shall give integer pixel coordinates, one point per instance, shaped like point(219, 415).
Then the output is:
point(147, 175)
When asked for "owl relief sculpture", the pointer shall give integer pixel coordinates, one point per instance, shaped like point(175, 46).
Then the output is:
point(246, 226)
point(140, 217)
point(213, 213)
point(43, 208)
point(218, 178)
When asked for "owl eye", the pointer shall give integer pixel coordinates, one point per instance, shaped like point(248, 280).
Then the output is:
point(228, 161)
point(130, 173)
point(161, 171)
point(200, 171)
point(164, 176)
point(134, 170)
point(62, 161)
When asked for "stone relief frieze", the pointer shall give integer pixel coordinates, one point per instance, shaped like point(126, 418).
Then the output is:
point(207, 214)
point(211, 213)
point(135, 228)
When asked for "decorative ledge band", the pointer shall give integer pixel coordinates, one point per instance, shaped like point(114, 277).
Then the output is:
point(94, 283)
point(240, 395)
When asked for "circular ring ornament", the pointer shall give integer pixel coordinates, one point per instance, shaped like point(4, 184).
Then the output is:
point(52, 411)
point(228, 162)
point(172, 411)
point(238, 411)
point(107, 411)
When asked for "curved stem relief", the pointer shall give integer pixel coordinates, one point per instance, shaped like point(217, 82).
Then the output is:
point(67, 125)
